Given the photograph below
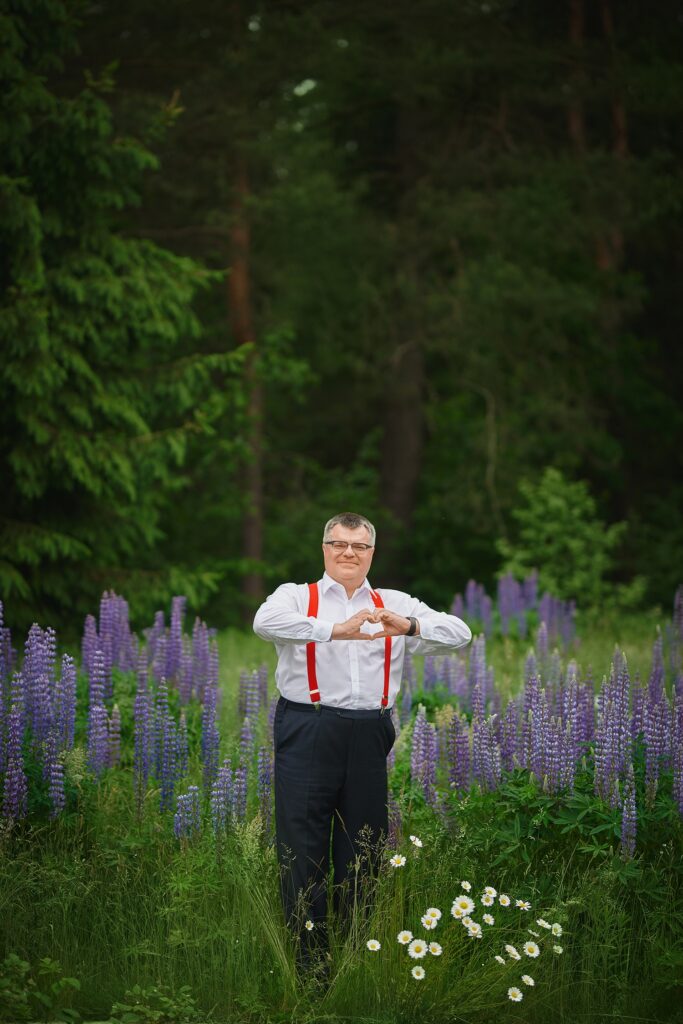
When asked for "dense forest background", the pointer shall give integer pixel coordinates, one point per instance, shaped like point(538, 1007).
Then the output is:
point(265, 262)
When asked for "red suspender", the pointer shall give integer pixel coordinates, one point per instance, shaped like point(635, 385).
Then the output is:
point(310, 648)
point(379, 603)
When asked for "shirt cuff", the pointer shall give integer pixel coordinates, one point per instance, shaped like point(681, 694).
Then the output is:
point(322, 631)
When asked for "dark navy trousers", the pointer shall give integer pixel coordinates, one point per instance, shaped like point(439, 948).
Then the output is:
point(330, 778)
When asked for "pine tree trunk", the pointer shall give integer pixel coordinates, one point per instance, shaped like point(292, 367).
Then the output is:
point(403, 419)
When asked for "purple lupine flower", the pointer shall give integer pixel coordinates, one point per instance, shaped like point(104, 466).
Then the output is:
point(37, 705)
point(431, 673)
point(542, 645)
point(154, 634)
point(55, 776)
point(143, 729)
point(487, 770)
point(182, 747)
point(158, 665)
point(458, 607)
point(187, 820)
point(656, 747)
point(200, 658)
point(458, 753)
point(677, 787)
point(417, 741)
point(98, 720)
point(530, 591)
point(263, 685)
point(114, 732)
point(185, 672)
point(252, 703)
point(656, 684)
point(221, 797)
point(239, 792)
point(210, 736)
point(428, 764)
point(174, 647)
point(508, 737)
point(246, 741)
point(65, 704)
point(265, 787)
point(98, 739)
point(628, 815)
point(15, 795)
point(530, 697)
point(165, 734)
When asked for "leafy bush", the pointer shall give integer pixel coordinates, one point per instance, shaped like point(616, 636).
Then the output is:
point(25, 998)
point(560, 534)
point(154, 1005)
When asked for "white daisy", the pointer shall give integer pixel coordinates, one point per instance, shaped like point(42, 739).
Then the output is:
point(457, 913)
point(435, 949)
point(373, 945)
point(528, 980)
point(417, 949)
point(531, 949)
point(504, 900)
point(490, 891)
point(558, 949)
point(512, 952)
point(463, 903)
point(309, 925)
point(556, 929)
point(397, 861)
point(532, 932)
point(418, 973)
point(515, 994)
point(466, 921)
point(466, 886)
point(542, 923)
point(434, 912)
point(475, 930)
point(523, 904)
point(500, 959)
point(405, 937)
point(487, 900)
point(428, 922)
point(488, 919)
point(415, 841)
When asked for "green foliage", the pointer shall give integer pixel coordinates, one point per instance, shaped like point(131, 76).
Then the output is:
point(156, 1005)
point(102, 382)
point(559, 534)
point(42, 992)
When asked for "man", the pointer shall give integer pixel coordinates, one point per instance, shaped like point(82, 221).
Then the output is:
point(340, 647)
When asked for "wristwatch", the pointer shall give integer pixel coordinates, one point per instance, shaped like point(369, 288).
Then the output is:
point(413, 625)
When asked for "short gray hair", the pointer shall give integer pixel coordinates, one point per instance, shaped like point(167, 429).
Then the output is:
point(351, 521)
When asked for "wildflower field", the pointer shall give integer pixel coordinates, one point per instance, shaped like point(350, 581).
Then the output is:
point(534, 865)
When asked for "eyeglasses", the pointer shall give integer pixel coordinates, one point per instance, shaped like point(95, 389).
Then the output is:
point(342, 545)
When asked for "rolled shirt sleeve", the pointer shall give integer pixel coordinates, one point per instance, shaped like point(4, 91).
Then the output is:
point(280, 619)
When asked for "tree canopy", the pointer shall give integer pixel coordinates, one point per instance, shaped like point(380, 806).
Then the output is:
point(440, 248)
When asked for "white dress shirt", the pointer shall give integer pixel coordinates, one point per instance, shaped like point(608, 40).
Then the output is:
point(350, 672)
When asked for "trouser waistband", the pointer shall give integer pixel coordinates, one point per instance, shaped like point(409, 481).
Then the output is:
point(329, 709)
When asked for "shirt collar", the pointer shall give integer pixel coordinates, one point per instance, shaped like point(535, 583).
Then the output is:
point(327, 582)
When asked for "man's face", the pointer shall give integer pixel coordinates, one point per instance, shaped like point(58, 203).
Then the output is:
point(348, 566)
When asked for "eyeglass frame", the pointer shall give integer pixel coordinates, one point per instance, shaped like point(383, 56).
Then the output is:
point(356, 546)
